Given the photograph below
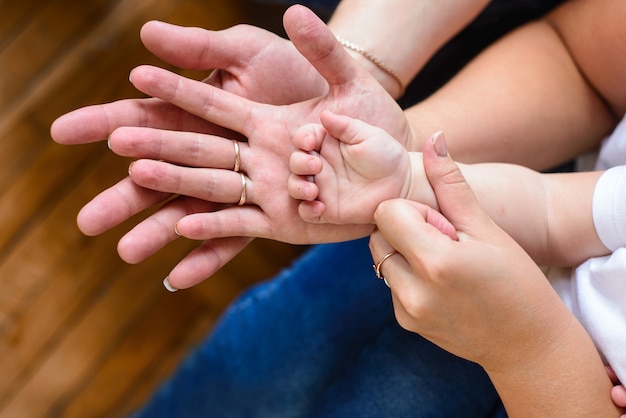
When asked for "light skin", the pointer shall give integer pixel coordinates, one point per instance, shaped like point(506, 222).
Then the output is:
point(356, 166)
point(443, 289)
point(264, 157)
point(403, 46)
point(254, 64)
point(618, 392)
point(216, 253)
point(570, 98)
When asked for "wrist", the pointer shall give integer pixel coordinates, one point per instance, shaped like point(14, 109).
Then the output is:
point(417, 188)
point(386, 75)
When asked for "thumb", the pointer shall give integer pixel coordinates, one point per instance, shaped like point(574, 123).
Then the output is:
point(319, 46)
point(455, 198)
point(184, 47)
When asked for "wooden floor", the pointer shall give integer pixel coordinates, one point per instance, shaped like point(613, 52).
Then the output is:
point(81, 333)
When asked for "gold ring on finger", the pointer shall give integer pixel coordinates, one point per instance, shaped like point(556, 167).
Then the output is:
point(242, 198)
point(378, 266)
point(237, 156)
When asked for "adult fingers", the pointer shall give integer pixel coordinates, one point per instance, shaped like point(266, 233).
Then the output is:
point(205, 260)
point(414, 229)
point(214, 185)
point(208, 102)
point(251, 221)
point(159, 229)
point(244, 221)
point(185, 47)
point(455, 198)
point(115, 205)
point(394, 270)
point(200, 49)
point(187, 148)
point(97, 122)
point(382, 254)
point(316, 42)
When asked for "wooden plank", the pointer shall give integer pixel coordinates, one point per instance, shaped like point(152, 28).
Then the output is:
point(32, 194)
point(51, 270)
point(55, 25)
point(18, 149)
point(14, 17)
point(87, 345)
point(125, 18)
point(148, 382)
point(38, 251)
point(73, 317)
point(145, 344)
point(33, 330)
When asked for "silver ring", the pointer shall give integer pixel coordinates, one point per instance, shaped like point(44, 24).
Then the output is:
point(379, 265)
point(242, 198)
point(237, 156)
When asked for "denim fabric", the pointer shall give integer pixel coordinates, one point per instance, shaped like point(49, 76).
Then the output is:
point(320, 340)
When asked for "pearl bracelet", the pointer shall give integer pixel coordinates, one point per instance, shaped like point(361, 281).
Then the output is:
point(375, 60)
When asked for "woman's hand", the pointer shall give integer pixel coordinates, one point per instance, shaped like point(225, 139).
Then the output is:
point(481, 297)
point(461, 292)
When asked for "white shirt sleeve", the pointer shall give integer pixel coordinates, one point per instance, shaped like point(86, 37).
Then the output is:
point(595, 291)
point(609, 207)
point(598, 292)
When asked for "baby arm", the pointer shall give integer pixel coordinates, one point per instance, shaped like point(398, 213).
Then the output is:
point(356, 166)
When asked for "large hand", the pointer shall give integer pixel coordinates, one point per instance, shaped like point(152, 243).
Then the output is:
point(356, 166)
point(125, 199)
point(252, 62)
point(264, 159)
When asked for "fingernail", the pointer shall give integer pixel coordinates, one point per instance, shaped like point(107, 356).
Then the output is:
point(439, 143)
point(109, 143)
point(168, 286)
point(176, 230)
point(130, 166)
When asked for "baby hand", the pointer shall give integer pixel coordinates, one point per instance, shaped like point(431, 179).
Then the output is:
point(344, 168)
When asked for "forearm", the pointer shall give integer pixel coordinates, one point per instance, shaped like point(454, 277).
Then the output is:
point(566, 362)
point(549, 215)
point(407, 32)
point(523, 100)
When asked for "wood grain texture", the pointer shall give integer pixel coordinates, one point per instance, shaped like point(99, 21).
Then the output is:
point(82, 334)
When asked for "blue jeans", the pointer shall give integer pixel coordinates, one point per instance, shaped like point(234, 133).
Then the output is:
point(321, 340)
